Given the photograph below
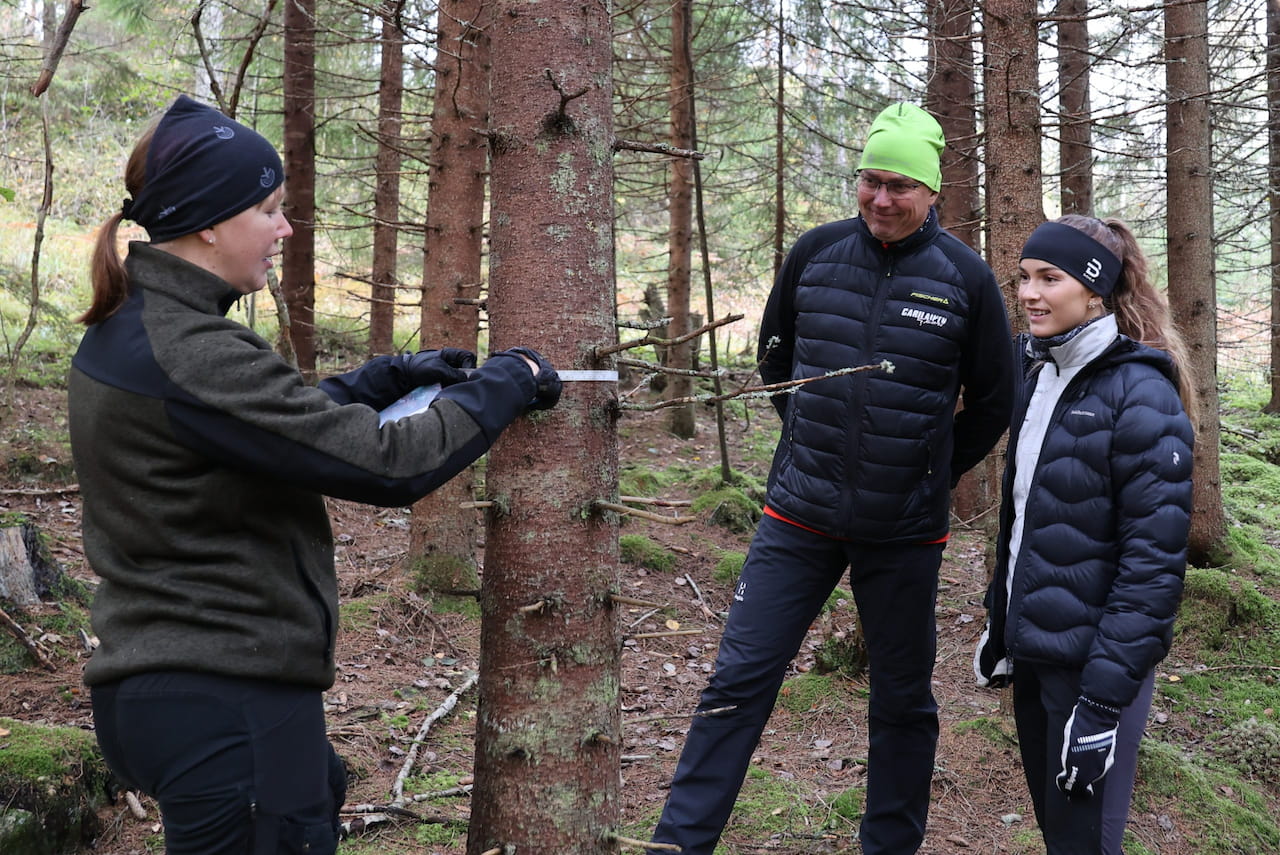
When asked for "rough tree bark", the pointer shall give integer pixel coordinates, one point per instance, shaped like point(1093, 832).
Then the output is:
point(386, 200)
point(442, 533)
point(681, 420)
point(1192, 282)
point(1012, 117)
point(1076, 130)
point(1273, 192)
point(547, 732)
point(951, 96)
point(298, 279)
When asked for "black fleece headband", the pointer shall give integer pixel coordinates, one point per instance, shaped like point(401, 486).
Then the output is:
point(1076, 254)
point(202, 168)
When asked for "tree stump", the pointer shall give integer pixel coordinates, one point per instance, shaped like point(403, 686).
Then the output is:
point(28, 573)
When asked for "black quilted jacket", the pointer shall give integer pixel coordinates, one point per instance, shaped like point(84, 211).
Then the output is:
point(1100, 567)
point(872, 456)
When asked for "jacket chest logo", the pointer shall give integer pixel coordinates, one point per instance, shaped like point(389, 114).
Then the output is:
point(923, 318)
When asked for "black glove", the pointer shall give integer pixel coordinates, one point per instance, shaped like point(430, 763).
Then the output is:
point(549, 385)
point(991, 672)
point(1088, 746)
point(436, 366)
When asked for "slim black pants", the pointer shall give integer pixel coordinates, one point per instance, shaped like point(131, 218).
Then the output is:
point(788, 575)
point(238, 767)
point(1043, 697)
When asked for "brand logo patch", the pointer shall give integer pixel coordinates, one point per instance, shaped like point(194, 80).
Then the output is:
point(1092, 269)
point(224, 132)
point(741, 593)
point(268, 177)
point(930, 298)
point(924, 318)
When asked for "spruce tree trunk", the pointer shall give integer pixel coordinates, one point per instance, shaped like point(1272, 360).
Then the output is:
point(298, 280)
point(1012, 113)
point(1273, 195)
point(1076, 148)
point(1192, 282)
point(547, 733)
point(442, 533)
point(680, 212)
point(386, 200)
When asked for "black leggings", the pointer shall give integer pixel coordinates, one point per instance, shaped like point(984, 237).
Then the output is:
point(238, 767)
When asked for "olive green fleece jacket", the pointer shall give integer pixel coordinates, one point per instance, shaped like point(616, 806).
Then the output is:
point(203, 459)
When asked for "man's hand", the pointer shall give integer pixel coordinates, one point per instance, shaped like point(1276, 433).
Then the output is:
point(1088, 747)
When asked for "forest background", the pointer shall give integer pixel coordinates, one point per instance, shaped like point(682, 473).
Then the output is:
point(728, 128)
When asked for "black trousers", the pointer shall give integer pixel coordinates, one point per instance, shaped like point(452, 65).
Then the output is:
point(1043, 697)
point(788, 575)
point(238, 767)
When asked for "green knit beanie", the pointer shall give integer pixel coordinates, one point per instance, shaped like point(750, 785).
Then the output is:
point(906, 140)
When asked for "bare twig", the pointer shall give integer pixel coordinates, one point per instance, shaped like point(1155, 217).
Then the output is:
point(36, 650)
point(632, 843)
point(663, 503)
point(51, 491)
point(649, 338)
point(668, 634)
point(663, 369)
point(59, 46)
point(632, 601)
point(704, 714)
point(786, 387)
point(443, 710)
point(658, 148)
point(644, 515)
point(705, 608)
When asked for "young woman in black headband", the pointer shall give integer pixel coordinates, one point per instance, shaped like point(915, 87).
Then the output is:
point(204, 460)
point(1093, 526)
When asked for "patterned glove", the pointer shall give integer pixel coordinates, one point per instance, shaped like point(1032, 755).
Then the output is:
point(1088, 747)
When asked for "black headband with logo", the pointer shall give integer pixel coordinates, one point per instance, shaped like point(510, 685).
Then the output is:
point(202, 168)
point(1075, 253)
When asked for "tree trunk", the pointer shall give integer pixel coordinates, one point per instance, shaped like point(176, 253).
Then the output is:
point(442, 534)
point(298, 280)
point(1076, 132)
point(780, 151)
point(386, 200)
point(952, 98)
point(547, 732)
point(1273, 192)
point(1192, 288)
point(680, 211)
point(1012, 113)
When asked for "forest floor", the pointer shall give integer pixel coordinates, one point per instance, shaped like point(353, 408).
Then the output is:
point(399, 659)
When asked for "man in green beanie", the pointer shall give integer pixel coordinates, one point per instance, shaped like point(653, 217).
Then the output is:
point(861, 480)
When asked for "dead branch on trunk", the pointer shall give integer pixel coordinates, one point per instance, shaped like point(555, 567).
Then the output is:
point(662, 503)
point(658, 148)
point(644, 515)
point(54, 55)
point(649, 338)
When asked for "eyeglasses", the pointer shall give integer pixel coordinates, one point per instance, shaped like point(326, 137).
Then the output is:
point(895, 189)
